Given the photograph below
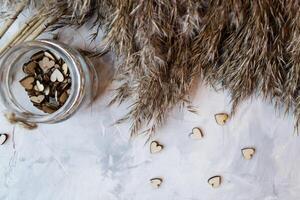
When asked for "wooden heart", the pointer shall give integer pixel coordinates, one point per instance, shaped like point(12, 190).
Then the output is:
point(49, 55)
point(248, 153)
point(37, 56)
point(27, 82)
point(30, 68)
point(56, 66)
point(37, 99)
point(155, 147)
point(156, 182)
point(215, 181)
point(63, 97)
point(46, 64)
point(221, 118)
point(57, 76)
point(3, 138)
point(196, 134)
point(38, 86)
point(65, 68)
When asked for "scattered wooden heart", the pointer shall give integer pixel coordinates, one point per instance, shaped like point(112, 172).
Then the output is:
point(57, 76)
point(29, 68)
point(48, 76)
point(46, 64)
point(155, 147)
point(196, 134)
point(221, 118)
point(248, 153)
point(156, 182)
point(65, 68)
point(215, 181)
point(3, 138)
point(63, 97)
point(37, 99)
point(37, 56)
point(56, 66)
point(48, 108)
point(49, 55)
point(27, 82)
point(53, 101)
point(38, 86)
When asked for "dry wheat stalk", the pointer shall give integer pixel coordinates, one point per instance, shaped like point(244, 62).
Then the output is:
point(11, 20)
point(28, 31)
point(41, 28)
point(31, 30)
point(22, 31)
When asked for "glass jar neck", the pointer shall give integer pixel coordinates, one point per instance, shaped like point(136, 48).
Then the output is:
point(80, 73)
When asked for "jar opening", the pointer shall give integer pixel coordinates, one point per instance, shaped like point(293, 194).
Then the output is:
point(16, 98)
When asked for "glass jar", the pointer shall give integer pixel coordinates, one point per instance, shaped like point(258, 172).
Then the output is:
point(14, 97)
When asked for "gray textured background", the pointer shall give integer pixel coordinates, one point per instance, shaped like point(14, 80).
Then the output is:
point(88, 158)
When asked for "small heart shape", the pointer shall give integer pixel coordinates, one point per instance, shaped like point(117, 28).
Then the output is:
point(221, 118)
point(155, 147)
point(63, 97)
point(49, 55)
point(37, 99)
point(57, 76)
point(65, 68)
point(196, 134)
point(46, 64)
point(27, 82)
point(29, 68)
point(3, 138)
point(37, 56)
point(156, 182)
point(248, 153)
point(215, 181)
point(38, 86)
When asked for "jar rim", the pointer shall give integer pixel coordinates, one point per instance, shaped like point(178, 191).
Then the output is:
point(75, 61)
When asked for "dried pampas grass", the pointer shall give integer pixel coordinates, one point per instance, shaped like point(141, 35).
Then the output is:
point(162, 47)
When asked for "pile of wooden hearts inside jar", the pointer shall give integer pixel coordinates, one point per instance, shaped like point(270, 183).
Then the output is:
point(47, 81)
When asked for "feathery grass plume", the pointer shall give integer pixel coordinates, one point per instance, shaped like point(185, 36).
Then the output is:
point(158, 70)
point(297, 112)
point(144, 68)
point(207, 43)
point(162, 47)
point(252, 59)
point(292, 81)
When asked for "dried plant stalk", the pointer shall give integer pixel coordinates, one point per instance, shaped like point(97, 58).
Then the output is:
point(41, 28)
point(11, 20)
point(21, 32)
point(28, 31)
